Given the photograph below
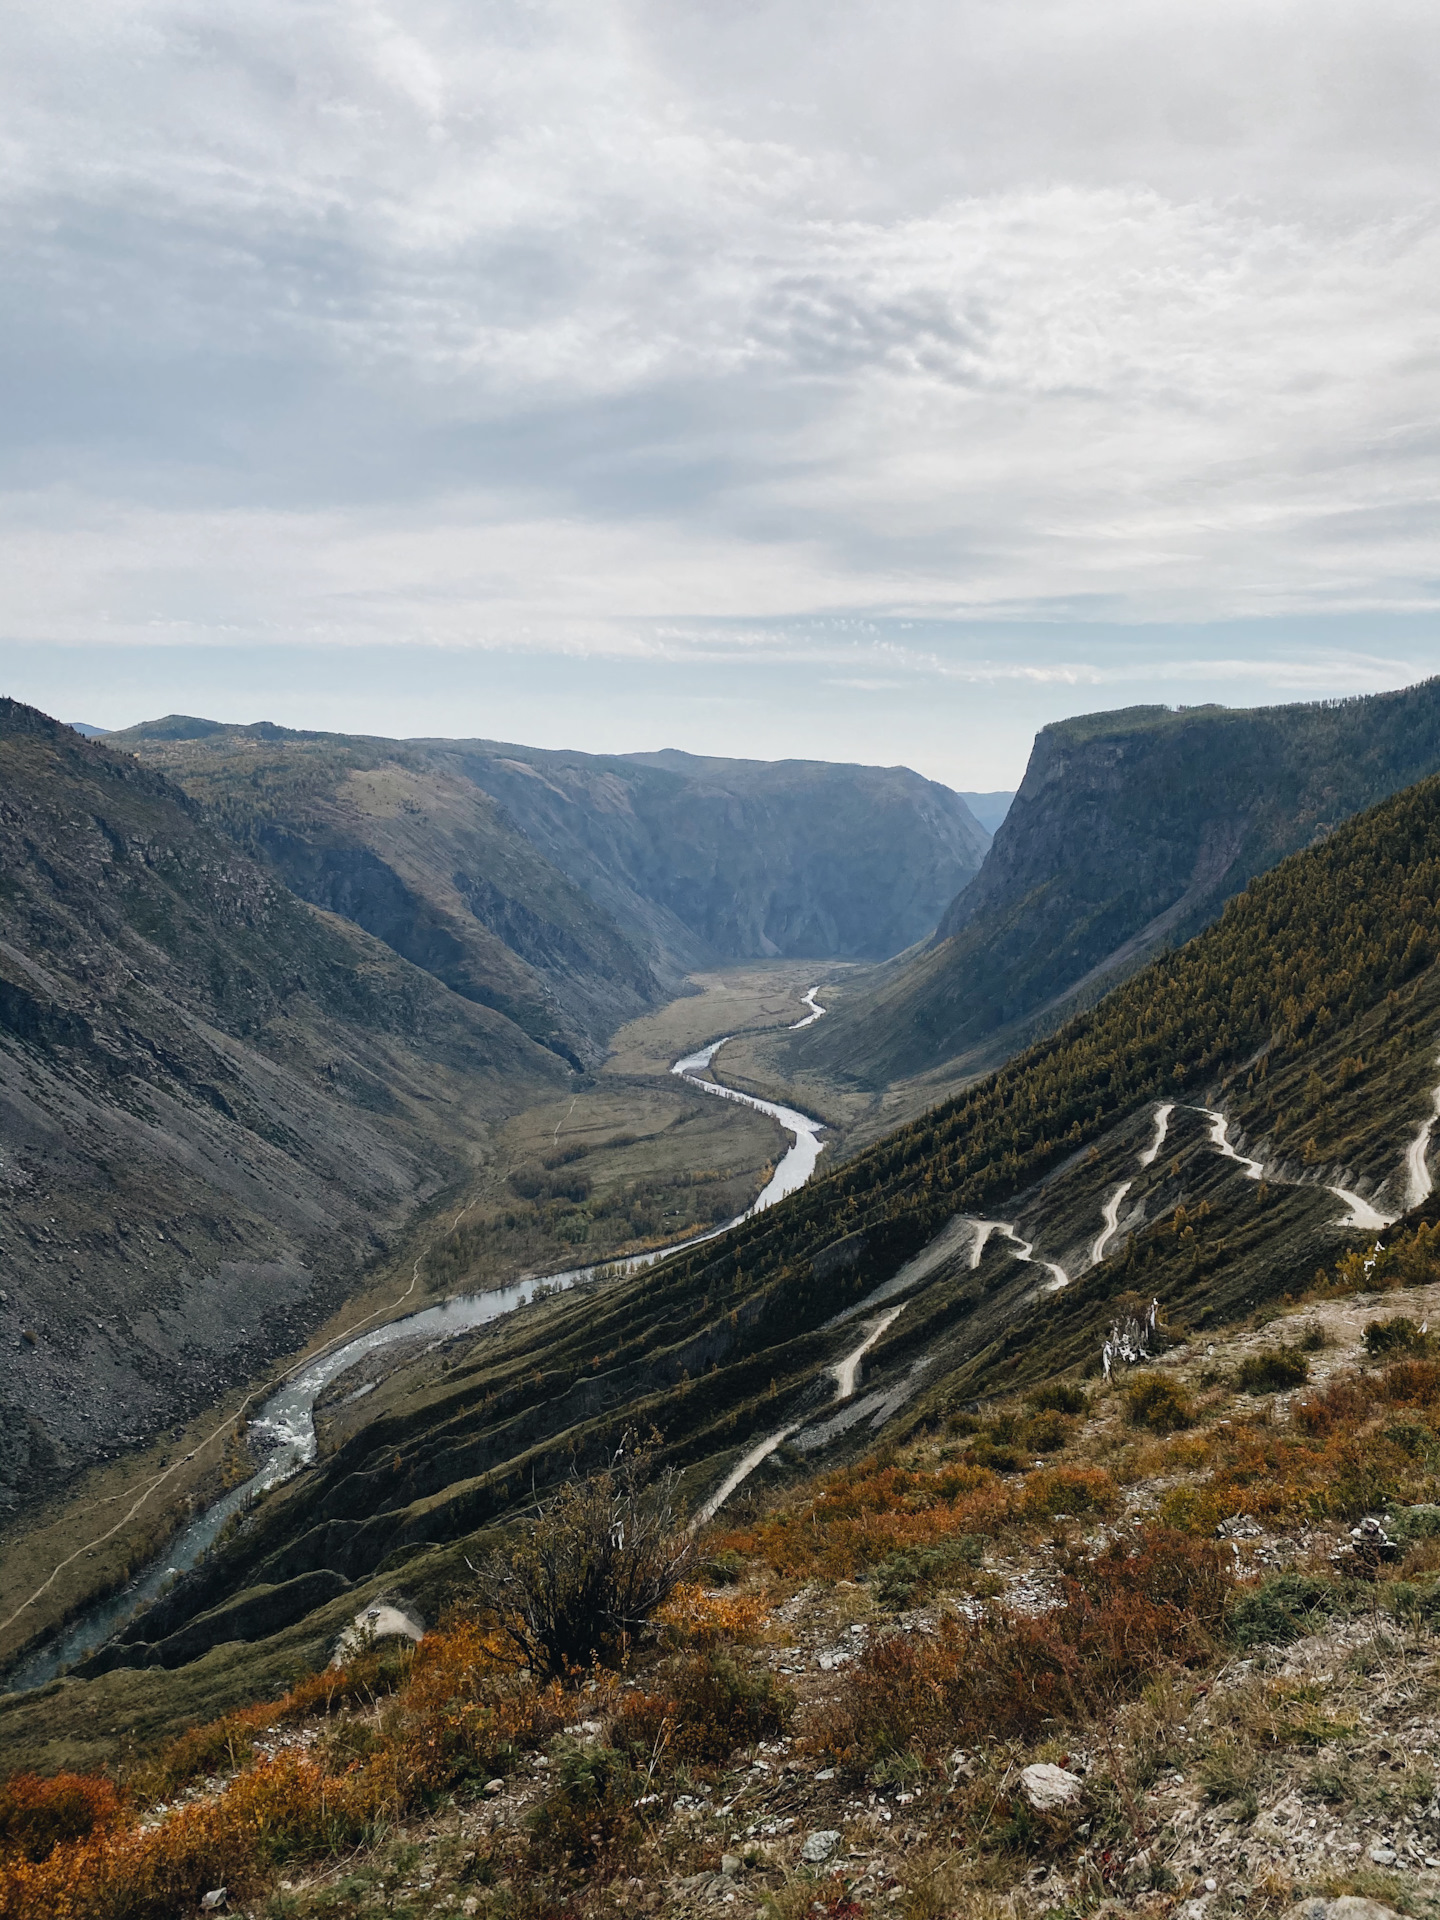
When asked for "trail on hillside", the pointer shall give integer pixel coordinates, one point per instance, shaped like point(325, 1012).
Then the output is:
point(846, 1374)
point(1361, 1214)
point(1110, 1222)
point(1419, 1184)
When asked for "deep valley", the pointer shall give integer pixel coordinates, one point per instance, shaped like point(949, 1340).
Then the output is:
point(1172, 1122)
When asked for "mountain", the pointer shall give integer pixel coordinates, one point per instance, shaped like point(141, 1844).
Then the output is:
point(405, 844)
point(1215, 1130)
point(1128, 833)
point(569, 889)
point(989, 808)
point(216, 1103)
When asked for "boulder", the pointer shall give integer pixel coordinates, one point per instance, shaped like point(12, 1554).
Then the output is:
point(1048, 1788)
point(1350, 1906)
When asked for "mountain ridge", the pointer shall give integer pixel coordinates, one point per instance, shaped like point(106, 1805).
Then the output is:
point(573, 890)
point(216, 1103)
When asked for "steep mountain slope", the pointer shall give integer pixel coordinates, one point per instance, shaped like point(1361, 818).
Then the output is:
point(606, 878)
point(1128, 833)
point(215, 1102)
point(405, 845)
point(758, 858)
point(1217, 1128)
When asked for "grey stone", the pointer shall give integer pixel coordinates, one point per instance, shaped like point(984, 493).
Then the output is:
point(1047, 1787)
point(1350, 1906)
point(731, 1864)
point(819, 1847)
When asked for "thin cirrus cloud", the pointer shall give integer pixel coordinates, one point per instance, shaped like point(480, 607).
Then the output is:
point(545, 327)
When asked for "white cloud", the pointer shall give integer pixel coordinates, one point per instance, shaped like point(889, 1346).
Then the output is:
point(543, 323)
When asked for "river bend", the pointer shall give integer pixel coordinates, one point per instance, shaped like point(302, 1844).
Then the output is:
point(284, 1427)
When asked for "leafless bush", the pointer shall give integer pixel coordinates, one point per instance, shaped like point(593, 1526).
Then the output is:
point(593, 1566)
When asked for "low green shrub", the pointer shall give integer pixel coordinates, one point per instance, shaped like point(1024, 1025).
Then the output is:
point(1273, 1371)
point(1406, 1525)
point(589, 1816)
point(904, 1578)
point(1281, 1609)
point(724, 1569)
point(723, 1703)
point(1057, 1397)
point(1398, 1334)
point(1154, 1401)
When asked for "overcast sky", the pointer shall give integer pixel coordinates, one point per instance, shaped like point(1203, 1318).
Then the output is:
point(858, 381)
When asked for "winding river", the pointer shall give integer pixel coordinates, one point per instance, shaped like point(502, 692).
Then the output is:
point(284, 1427)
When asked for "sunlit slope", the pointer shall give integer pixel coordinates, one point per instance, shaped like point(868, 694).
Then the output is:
point(1128, 833)
point(1304, 1021)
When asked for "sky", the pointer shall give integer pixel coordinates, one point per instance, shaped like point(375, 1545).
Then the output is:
point(801, 378)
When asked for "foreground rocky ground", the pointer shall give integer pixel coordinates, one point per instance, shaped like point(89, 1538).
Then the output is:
point(1163, 1646)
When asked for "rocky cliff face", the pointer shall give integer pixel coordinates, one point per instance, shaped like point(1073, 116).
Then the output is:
point(408, 847)
point(215, 1103)
point(747, 859)
point(1128, 833)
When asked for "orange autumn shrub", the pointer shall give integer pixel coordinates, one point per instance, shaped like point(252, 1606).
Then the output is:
point(281, 1809)
point(1412, 1383)
point(36, 1815)
point(643, 1727)
point(1128, 1613)
point(1360, 1443)
point(461, 1715)
point(722, 1703)
point(1068, 1490)
point(694, 1616)
point(224, 1745)
point(860, 1515)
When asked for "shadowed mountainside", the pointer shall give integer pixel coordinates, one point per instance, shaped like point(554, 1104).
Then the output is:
point(215, 1103)
point(572, 890)
point(1128, 833)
